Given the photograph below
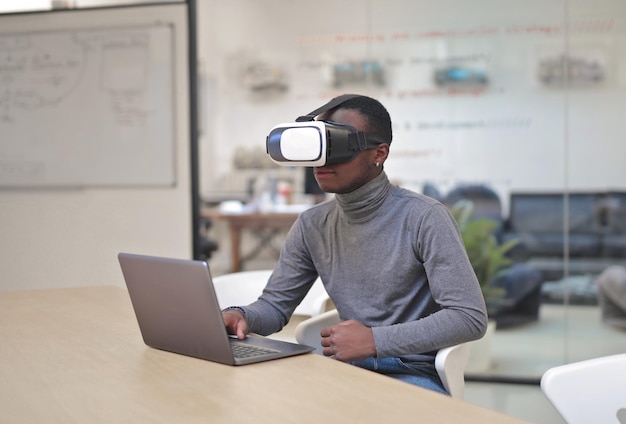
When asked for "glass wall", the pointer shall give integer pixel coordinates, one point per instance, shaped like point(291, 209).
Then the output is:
point(514, 105)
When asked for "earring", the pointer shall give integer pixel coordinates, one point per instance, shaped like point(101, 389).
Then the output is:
point(377, 164)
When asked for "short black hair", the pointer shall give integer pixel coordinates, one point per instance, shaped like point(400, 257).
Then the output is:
point(378, 118)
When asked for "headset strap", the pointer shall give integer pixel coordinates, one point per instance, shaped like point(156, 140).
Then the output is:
point(337, 101)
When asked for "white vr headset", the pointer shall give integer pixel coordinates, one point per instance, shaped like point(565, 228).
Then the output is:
point(307, 142)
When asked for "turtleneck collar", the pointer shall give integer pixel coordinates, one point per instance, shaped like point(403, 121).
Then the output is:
point(360, 204)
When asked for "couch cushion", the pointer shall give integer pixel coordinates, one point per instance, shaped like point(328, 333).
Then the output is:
point(614, 245)
point(541, 244)
point(543, 213)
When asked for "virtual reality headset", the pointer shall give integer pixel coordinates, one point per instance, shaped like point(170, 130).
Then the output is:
point(307, 142)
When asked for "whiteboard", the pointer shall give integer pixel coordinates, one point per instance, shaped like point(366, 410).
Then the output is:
point(87, 106)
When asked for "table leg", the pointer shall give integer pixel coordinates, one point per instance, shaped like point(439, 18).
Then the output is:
point(235, 242)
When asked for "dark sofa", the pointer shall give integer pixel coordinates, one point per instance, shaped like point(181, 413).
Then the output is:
point(595, 239)
point(595, 224)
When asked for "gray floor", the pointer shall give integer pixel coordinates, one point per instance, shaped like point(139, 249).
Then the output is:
point(518, 400)
point(561, 335)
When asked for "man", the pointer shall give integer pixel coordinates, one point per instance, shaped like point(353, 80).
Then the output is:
point(612, 296)
point(392, 261)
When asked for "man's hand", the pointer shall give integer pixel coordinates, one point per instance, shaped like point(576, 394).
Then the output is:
point(235, 323)
point(348, 341)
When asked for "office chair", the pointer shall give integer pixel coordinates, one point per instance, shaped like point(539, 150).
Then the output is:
point(590, 391)
point(206, 245)
point(519, 303)
point(485, 200)
point(243, 288)
point(450, 362)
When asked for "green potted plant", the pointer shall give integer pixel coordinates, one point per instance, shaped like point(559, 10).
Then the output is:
point(487, 256)
point(489, 260)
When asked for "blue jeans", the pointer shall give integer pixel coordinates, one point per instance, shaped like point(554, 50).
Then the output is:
point(418, 373)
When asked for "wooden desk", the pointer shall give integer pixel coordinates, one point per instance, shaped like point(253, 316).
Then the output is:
point(76, 355)
point(264, 225)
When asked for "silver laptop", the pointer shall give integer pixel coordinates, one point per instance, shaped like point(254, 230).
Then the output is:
point(178, 311)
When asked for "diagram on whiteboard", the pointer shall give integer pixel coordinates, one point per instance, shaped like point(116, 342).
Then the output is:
point(87, 107)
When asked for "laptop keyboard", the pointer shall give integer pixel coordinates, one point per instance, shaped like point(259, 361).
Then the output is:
point(241, 350)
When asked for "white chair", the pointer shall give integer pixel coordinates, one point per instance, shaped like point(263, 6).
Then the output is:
point(590, 391)
point(243, 288)
point(308, 331)
point(450, 362)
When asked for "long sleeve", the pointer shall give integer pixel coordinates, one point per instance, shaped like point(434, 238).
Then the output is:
point(392, 259)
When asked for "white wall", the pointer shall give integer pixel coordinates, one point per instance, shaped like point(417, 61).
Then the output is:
point(71, 237)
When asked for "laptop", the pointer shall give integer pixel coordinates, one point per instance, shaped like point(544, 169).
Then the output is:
point(177, 311)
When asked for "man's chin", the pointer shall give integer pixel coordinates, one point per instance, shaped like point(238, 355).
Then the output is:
point(328, 190)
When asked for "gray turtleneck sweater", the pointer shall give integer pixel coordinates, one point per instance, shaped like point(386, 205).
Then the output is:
point(389, 258)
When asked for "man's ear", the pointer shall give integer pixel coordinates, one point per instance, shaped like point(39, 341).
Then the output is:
point(381, 153)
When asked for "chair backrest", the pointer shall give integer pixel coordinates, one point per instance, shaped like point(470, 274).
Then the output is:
point(243, 288)
point(308, 331)
point(485, 200)
point(450, 362)
point(590, 391)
